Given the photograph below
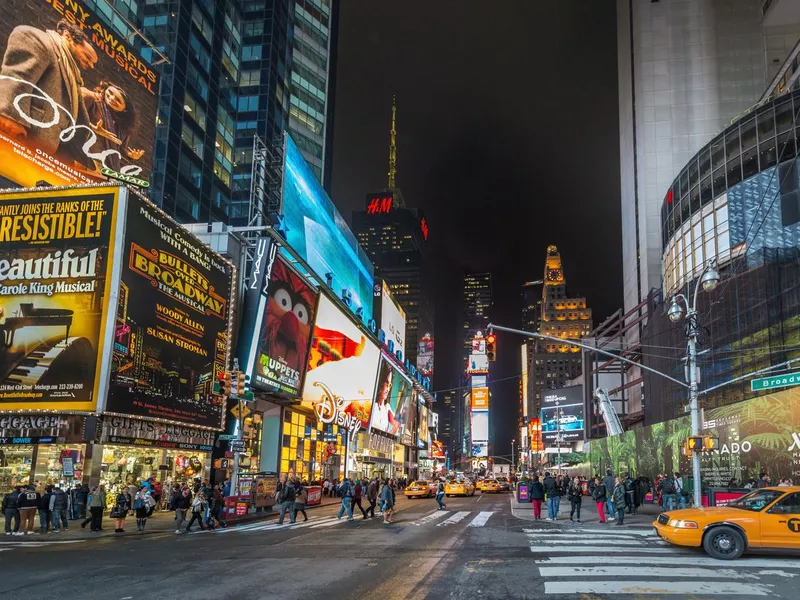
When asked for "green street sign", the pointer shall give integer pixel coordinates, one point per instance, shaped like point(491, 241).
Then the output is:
point(226, 436)
point(776, 381)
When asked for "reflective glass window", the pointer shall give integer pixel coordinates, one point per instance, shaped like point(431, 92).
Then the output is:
point(717, 153)
point(718, 182)
point(783, 115)
point(767, 154)
point(750, 162)
point(786, 147)
point(734, 172)
point(766, 123)
point(706, 194)
point(749, 133)
point(732, 147)
point(705, 163)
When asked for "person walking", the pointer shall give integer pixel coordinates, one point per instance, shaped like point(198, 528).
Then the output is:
point(440, 495)
point(81, 501)
point(358, 492)
point(96, 501)
point(551, 493)
point(680, 499)
point(618, 496)
point(119, 512)
point(11, 512)
point(287, 496)
point(609, 481)
point(198, 508)
point(387, 502)
point(599, 497)
point(575, 496)
point(301, 498)
point(372, 497)
point(59, 509)
point(141, 504)
point(346, 492)
point(182, 505)
point(537, 496)
point(667, 488)
point(217, 507)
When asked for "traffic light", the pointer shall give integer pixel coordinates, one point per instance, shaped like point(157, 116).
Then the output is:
point(241, 383)
point(225, 384)
point(491, 341)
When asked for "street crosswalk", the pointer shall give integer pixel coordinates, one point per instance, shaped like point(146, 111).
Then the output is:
point(6, 546)
point(636, 561)
point(479, 519)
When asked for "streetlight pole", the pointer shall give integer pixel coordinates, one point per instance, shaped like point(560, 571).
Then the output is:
point(512, 455)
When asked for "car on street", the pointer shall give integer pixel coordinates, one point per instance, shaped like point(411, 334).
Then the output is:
point(504, 484)
point(764, 518)
point(420, 489)
point(490, 485)
point(459, 487)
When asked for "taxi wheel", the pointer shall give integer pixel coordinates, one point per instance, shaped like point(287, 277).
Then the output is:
point(724, 543)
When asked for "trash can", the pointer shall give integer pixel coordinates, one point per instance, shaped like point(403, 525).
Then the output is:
point(523, 492)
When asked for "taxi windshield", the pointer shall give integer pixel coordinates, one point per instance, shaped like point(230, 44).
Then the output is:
point(756, 501)
point(420, 483)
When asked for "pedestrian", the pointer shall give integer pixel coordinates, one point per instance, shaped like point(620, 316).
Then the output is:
point(551, 493)
point(440, 495)
point(680, 496)
point(609, 481)
point(733, 483)
point(96, 500)
point(198, 508)
point(119, 512)
point(326, 487)
point(387, 502)
point(286, 494)
point(11, 512)
point(618, 495)
point(537, 496)
point(141, 504)
point(300, 500)
point(44, 509)
point(358, 491)
point(372, 497)
point(667, 488)
point(346, 492)
point(216, 510)
point(182, 505)
point(59, 509)
point(81, 501)
point(764, 480)
point(575, 496)
point(599, 497)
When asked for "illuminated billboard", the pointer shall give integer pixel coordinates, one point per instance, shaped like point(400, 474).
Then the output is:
point(282, 330)
point(390, 316)
point(342, 368)
point(478, 346)
point(480, 398)
point(316, 230)
point(422, 428)
point(173, 319)
point(393, 391)
point(477, 363)
point(408, 418)
point(478, 381)
point(480, 427)
point(425, 355)
point(56, 252)
point(77, 102)
point(562, 414)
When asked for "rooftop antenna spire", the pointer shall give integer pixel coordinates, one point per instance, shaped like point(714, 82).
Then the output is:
point(393, 146)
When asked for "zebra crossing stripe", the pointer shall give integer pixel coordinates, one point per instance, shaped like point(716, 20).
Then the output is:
point(697, 561)
point(331, 523)
point(41, 543)
point(459, 516)
point(557, 539)
point(649, 571)
point(602, 550)
point(434, 516)
point(615, 531)
point(674, 587)
point(481, 519)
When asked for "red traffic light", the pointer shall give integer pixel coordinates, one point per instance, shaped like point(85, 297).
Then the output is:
point(490, 339)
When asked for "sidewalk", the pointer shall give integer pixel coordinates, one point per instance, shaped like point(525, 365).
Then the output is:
point(644, 518)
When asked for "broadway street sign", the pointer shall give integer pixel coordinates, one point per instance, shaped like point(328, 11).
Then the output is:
point(776, 381)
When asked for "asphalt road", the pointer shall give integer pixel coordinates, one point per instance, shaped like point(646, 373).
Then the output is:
point(474, 549)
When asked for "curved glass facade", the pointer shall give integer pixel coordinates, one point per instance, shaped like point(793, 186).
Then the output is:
point(737, 196)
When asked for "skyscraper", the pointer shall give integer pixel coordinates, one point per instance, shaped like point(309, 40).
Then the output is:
point(553, 363)
point(395, 239)
point(476, 302)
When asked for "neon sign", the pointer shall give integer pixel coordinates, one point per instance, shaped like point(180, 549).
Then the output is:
point(379, 205)
point(424, 225)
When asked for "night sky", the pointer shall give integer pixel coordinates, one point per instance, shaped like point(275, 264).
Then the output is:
point(508, 140)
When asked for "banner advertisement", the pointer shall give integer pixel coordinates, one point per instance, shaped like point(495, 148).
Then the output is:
point(172, 322)
point(316, 230)
point(755, 436)
point(392, 392)
point(437, 449)
point(391, 317)
point(42, 428)
point(342, 368)
point(407, 417)
point(480, 398)
point(286, 312)
point(480, 428)
point(56, 252)
point(77, 102)
point(425, 355)
point(478, 381)
point(139, 432)
point(478, 363)
point(562, 414)
point(422, 427)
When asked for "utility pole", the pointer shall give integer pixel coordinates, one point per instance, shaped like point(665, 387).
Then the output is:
point(513, 457)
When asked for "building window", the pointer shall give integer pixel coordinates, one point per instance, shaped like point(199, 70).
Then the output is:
point(251, 52)
point(202, 24)
point(191, 139)
point(194, 110)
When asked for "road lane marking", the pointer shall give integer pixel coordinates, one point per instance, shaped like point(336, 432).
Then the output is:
point(700, 561)
point(434, 516)
point(600, 549)
point(459, 516)
point(647, 571)
point(40, 542)
point(599, 536)
point(590, 542)
point(642, 588)
point(335, 521)
point(481, 519)
point(615, 531)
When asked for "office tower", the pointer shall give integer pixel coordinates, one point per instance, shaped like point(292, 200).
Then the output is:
point(476, 301)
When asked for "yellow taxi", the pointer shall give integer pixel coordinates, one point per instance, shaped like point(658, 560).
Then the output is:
point(490, 485)
point(479, 484)
point(419, 489)
point(459, 487)
point(764, 518)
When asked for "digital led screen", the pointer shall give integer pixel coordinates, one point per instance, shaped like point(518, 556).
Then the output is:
point(478, 363)
point(478, 381)
point(480, 427)
point(564, 421)
point(392, 391)
point(316, 230)
point(422, 428)
point(425, 355)
point(480, 398)
point(391, 317)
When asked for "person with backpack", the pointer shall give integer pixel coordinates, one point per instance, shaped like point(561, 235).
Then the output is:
point(667, 487)
point(198, 509)
point(599, 497)
point(440, 495)
point(630, 494)
point(143, 504)
point(552, 492)
point(286, 496)
point(680, 495)
point(217, 506)
point(575, 495)
point(11, 512)
point(346, 492)
point(59, 509)
point(120, 510)
point(537, 496)
point(358, 491)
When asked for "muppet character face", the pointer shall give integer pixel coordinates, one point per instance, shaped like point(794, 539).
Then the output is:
point(287, 327)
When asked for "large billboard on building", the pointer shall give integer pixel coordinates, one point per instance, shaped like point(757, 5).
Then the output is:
point(282, 330)
point(342, 369)
point(316, 230)
point(422, 427)
point(480, 427)
point(390, 316)
point(477, 363)
point(173, 320)
point(425, 355)
point(56, 257)
point(755, 436)
point(562, 414)
point(408, 418)
point(480, 398)
point(77, 102)
point(393, 391)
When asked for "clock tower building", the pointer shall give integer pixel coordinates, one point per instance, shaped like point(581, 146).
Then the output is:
point(552, 364)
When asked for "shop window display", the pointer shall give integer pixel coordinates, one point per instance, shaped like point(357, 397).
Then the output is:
point(15, 466)
point(309, 448)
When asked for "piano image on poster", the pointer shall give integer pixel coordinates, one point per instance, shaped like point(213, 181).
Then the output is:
point(36, 349)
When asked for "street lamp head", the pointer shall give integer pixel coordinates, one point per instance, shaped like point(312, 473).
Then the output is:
point(675, 312)
point(710, 279)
